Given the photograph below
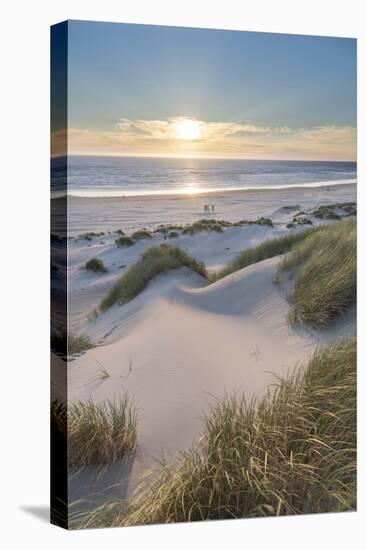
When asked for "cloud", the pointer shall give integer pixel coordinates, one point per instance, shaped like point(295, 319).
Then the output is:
point(216, 139)
point(166, 129)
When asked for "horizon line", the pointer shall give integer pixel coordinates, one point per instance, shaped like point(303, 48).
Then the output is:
point(190, 157)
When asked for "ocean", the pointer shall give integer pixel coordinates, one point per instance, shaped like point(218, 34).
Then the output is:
point(95, 176)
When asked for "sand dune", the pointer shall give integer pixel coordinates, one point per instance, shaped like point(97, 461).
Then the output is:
point(86, 290)
point(189, 343)
point(181, 343)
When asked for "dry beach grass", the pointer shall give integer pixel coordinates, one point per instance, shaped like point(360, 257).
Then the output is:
point(153, 261)
point(292, 452)
point(323, 266)
point(97, 434)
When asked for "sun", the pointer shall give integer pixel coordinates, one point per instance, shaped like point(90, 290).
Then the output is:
point(188, 129)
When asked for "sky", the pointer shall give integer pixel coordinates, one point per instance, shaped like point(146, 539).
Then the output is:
point(168, 91)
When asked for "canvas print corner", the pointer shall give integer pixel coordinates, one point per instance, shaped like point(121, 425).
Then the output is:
point(203, 274)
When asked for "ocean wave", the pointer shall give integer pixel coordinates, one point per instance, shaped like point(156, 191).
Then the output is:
point(192, 190)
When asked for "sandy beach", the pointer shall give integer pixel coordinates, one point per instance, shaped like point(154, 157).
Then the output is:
point(181, 343)
point(133, 212)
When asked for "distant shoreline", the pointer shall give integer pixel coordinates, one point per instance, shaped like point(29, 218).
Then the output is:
point(103, 214)
point(174, 194)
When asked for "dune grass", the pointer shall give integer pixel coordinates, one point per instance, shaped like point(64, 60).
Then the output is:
point(217, 227)
point(300, 220)
point(165, 228)
point(324, 270)
point(59, 418)
point(293, 452)
point(142, 234)
point(258, 221)
point(211, 224)
point(89, 236)
point(290, 207)
point(69, 344)
point(124, 241)
point(267, 249)
point(327, 211)
point(100, 433)
point(58, 424)
point(152, 262)
point(206, 224)
point(95, 265)
point(196, 227)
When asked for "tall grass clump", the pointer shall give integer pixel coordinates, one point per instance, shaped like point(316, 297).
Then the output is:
point(324, 270)
point(293, 452)
point(100, 433)
point(95, 265)
point(165, 228)
point(267, 249)
point(142, 234)
point(59, 418)
point(327, 211)
point(152, 262)
point(124, 241)
point(258, 221)
point(205, 225)
point(89, 236)
point(59, 508)
point(69, 344)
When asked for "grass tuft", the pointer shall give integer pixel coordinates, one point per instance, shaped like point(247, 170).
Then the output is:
point(196, 227)
point(290, 207)
point(165, 228)
point(258, 221)
point(152, 262)
point(299, 220)
point(206, 225)
point(327, 211)
point(70, 344)
point(96, 433)
point(216, 227)
point(143, 234)
point(323, 266)
point(89, 236)
point(267, 249)
point(95, 265)
point(124, 241)
point(293, 452)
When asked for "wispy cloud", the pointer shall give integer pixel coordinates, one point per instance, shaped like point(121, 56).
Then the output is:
point(243, 139)
point(166, 129)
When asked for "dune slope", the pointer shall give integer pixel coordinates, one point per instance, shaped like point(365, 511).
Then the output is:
point(179, 343)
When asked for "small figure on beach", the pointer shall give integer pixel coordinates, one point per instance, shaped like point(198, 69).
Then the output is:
point(213, 208)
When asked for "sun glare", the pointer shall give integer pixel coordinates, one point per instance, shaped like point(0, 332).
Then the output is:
point(188, 129)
